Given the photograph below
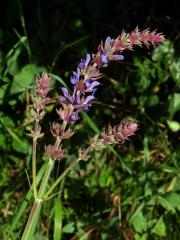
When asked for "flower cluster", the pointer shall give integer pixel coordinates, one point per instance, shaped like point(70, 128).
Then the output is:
point(119, 133)
point(53, 152)
point(114, 135)
point(41, 91)
point(85, 78)
point(39, 100)
point(58, 131)
point(85, 81)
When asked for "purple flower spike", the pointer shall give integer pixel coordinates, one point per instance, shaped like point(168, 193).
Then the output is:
point(91, 84)
point(88, 72)
point(88, 99)
point(119, 57)
point(108, 40)
point(65, 91)
point(67, 99)
point(74, 117)
point(104, 58)
point(84, 62)
point(75, 77)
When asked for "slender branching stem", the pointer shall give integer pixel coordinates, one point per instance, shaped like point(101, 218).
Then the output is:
point(58, 180)
point(68, 169)
point(33, 217)
point(34, 166)
point(28, 232)
point(45, 179)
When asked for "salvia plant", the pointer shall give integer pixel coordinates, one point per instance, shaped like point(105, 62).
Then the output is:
point(84, 81)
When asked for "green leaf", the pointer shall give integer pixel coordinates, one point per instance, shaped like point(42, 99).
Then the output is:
point(58, 219)
point(3, 178)
point(59, 79)
point(103, 176)
point(20, 145)
point(160, 228)
point(2, 91)
point(152, 100)
point(174, 104)
point(90, 122)
point(174, 199)
point(7, 122)
point(3, 142)
point(25, 78)
point(166, 204)
point(175, 71)
point(69, 228)
point(161, 74)
point(173, 125)
point(139, 222)
point(144, 82)
point(141, 237)
point(169, 169)
point(12, 56)
point(164, 53)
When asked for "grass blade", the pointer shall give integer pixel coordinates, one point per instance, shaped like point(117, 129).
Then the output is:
point(58, 219)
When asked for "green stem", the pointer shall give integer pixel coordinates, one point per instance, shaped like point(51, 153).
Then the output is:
point(28, 232)
point(24, 30)
point(33, 217)
point(58, 180)
point(34, 166)
point(45, 179)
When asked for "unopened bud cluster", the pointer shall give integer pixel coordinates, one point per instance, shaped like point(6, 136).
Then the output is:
point(114, 135)
point(42, 88)
point(39, 100)
point(53, 152)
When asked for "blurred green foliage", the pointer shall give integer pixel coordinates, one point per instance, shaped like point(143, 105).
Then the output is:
point(130, 192)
